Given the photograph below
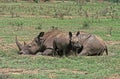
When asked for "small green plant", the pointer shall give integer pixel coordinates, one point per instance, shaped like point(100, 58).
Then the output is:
point(59, 15)
point(85, 25)
point(110, 31)
point(18, 24)
point(12, 14)
point(54, 27)
point(39, 26)
point(37, 1)
point(2, 76)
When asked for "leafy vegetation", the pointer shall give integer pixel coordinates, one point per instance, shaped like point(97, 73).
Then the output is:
point(26, 20)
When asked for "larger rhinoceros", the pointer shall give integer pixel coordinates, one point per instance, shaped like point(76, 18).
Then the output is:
point(42, 43)
point(90, 45)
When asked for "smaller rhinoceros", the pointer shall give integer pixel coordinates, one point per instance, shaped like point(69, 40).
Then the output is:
point(91, 45)
point(62, 44)
point(48, 43)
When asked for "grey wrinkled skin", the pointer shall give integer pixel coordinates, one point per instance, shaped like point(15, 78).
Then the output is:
point(84, 44)
point(62, 44)
point(65, 43)
point(33, 47)
point(42, 44)
point(76, 46)
point(91, 45)
point(48, 44)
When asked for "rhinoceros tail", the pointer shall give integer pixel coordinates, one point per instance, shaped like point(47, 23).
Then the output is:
point(106, 50)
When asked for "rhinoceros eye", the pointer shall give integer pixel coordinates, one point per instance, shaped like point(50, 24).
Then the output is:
point(29, 46)
point(36, 40)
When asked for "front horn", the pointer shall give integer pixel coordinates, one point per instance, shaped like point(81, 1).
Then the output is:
point(18, 44)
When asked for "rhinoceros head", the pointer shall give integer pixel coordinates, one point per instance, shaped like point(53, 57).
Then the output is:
point(33, 47)
point(75, 40)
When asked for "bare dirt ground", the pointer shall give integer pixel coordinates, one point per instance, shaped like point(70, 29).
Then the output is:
point(116, 76)
point(51, 75)
point(113, 42)
point(40, 16)
point(6, 47)
point(36, 71)
point(17, 71)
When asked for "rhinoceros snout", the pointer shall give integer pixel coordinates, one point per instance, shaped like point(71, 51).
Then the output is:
point(21, 52)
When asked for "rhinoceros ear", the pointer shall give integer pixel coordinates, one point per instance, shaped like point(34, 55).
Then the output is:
point(25, 43)
point(40, 34)
point(70, 34)
point(78, 33)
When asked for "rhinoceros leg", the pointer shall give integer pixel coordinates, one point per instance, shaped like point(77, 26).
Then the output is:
point(101, 51)
point(39, 53)
point(84, 52)
point(64, 52)
point(48, 52)
point(89, 52)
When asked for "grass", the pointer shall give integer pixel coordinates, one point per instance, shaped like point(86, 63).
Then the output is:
point(73, 67)
point(32, 18)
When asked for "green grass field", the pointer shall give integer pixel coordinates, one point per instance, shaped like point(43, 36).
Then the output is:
point(26, 20)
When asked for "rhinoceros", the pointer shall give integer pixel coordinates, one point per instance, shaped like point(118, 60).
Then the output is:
point(63, 45)
point(48, 43)
point(43, 43)
point(89, 44)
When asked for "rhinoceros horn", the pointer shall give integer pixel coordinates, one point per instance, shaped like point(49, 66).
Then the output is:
point(18, 44)
point(25, 43)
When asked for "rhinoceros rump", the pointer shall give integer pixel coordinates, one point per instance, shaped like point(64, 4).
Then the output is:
point(91, 44)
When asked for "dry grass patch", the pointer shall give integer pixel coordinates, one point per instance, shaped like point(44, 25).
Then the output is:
point(17, 71)
point(116, 76)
